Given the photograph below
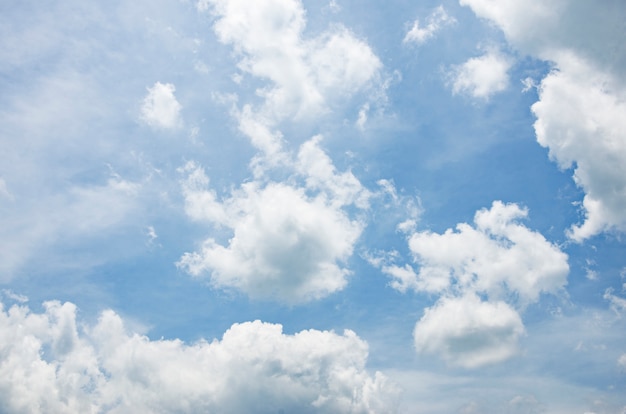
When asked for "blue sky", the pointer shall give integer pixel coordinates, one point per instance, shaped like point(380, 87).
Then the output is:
point(298, 206)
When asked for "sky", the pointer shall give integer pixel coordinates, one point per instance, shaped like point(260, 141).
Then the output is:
point(293, 206)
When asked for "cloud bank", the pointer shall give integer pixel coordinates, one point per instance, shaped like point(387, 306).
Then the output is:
point(53, 363)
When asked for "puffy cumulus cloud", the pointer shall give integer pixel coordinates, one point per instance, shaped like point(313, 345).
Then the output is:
point(498, 259)
point(160, 109)
point(469, 332)
point(496, 256)
point(581, 101)
point(580, 120)
point(483, 76)
point(285, 246)
point(49, 364)
point(288, 241)
point(306, 73)
point(438, 19)
point(621, 362)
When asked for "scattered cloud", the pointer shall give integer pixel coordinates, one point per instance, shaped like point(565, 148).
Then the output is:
point(54, 363)
point(483, 76)
point(438, 19)
point(160, 109)
point(499, 259)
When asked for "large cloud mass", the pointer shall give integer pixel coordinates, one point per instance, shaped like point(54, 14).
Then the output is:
point(581, 102)
point(50, 364)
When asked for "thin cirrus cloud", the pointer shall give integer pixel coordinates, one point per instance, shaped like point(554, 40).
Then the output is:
point(420, 33)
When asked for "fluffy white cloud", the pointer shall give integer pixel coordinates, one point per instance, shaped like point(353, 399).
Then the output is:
point(160, 109)
point(497, 258)
point(307, 74)
point(621, 361)
point(469, 332)
point(581, 101)
point(289, 242)
point(483, 76)
point(580, 120)
point(49, 364)
point(434, 23)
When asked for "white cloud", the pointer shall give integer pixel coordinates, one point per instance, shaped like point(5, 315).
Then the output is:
point(160, 109)
point(340, 188)
point(52, 365)
point(307, 74)
point(4, 191)
point(289, 243)
point(621, 361)
point(499, 259)
point(580, 120)
point(497, 256)
point(617, 304)
point(481, 77)
point(581, 102)
point(469, 332)
point(434, 23)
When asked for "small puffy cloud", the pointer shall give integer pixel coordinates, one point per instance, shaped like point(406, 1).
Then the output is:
point(289, 242)
point(469, 332)
point(483, 76)
point(496, 256)
point(160, 109)
point(621, 362)
point(434, 23)
point(52, 365)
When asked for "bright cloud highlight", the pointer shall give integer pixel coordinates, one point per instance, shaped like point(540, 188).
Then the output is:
point(483, 76)
point(160, 109)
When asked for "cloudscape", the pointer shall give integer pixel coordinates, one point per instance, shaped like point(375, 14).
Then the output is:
point(294, 206)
